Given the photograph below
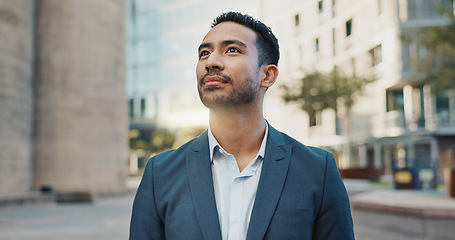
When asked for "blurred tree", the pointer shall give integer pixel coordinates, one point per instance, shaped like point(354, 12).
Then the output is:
point(187, 133)
point(135, 142)
point(192, 132)
point(438, 63)
point(319, 91)
point(161, 140)
point(154, 141)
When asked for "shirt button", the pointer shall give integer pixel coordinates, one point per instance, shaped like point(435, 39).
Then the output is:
point(237, 180)
point(236, 219)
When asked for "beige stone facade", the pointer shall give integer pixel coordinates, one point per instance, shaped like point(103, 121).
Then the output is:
point(16, 101)
point(64, 118)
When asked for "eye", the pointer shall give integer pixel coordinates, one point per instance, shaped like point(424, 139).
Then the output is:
point(203, 53)
point(233, 50)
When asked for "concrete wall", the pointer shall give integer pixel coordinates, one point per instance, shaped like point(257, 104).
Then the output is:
point(80, 107)
point(16, 102)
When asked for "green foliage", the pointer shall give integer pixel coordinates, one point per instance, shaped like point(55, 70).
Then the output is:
point(161, 140)
point(151, 140)
point(319, 91)
point(438, 64)
point(192, 132)
point(188, 133)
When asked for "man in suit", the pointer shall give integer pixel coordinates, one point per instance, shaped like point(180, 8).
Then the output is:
point(241, 179)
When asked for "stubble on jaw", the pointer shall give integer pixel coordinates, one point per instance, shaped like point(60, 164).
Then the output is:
point(234, 98)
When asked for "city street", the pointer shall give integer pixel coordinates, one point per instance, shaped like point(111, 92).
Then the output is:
point(105, 218)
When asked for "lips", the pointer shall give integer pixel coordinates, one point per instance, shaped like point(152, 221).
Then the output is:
point(213, 80)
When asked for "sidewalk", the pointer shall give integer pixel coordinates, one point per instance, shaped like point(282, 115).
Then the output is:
point(108, 218)
point(105, 218)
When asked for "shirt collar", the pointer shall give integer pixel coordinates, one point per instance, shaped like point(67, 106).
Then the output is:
point(213, 143)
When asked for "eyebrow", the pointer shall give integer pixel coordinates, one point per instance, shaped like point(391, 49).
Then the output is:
point(204, 45)
point(223, 43)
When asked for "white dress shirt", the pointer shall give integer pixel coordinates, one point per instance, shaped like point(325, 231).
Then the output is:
point(235, 191)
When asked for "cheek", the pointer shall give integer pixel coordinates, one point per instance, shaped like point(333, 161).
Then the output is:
point(242, 70)
point(199, 72)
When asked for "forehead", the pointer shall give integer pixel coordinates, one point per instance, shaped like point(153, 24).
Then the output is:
point(231, 31)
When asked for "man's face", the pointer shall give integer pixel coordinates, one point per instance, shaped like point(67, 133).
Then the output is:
point(227, 70)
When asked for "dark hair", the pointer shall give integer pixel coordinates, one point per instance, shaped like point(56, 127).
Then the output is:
point(266, 42)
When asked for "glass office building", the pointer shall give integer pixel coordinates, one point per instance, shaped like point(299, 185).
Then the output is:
point(163, 37)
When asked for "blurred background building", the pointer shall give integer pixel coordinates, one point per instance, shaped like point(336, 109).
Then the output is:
point(163, 37)
point(63, 115)
point(65, 104)
point(397, 123)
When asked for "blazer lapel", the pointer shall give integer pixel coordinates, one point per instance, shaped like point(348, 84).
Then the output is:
point(273, 176)
point(201, 186)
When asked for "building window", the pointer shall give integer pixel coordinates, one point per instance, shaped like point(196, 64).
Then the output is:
point(142, 107)
point(442, 102)
point(317, 45)
point(131, 107)
point(316, 119)
point(349, 27)
point(395, 100)
point(312, 120)
point(321, 6)
point(297, 20)
point(448, 5)
point(376, 55)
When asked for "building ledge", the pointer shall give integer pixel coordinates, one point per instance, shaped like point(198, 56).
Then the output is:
point(428, 215)
point(408, 202)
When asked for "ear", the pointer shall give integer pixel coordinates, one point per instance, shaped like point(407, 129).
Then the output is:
point(270, 73)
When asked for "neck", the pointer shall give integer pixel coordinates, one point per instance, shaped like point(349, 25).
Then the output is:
point(240, 133)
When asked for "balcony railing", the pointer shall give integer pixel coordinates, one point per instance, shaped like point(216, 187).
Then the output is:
point(391, 123)
point(443, 119)
point(395, 123)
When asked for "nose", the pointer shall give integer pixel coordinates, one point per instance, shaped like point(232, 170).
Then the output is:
point(214, 61)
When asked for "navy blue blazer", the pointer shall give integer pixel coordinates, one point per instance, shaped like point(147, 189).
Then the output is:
point(300, 195)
